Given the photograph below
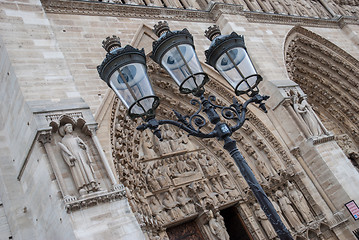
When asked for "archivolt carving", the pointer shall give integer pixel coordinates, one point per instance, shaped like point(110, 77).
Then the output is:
point(182, 177)
point(330, 77)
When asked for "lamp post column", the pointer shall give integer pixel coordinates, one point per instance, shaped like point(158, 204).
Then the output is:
point(264, 202)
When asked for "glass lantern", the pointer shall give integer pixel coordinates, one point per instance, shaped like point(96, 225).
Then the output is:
point(174, 51)
point(228, 55)
point(125, 71)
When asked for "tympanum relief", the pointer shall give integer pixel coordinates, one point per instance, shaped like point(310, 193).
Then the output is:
point(181, 178)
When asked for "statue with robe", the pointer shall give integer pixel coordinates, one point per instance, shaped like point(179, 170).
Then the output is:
point(76, 154)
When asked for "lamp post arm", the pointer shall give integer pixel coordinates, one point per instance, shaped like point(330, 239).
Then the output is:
point(242, 109)
point(153, 124)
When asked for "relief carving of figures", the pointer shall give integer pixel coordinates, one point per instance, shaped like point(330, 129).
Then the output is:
point(208, 164)
point(158, 211)
point(183, 167)
point(300, 202)
point(171, 206)
point(288, 210)
point(227, 185)
point(218, 189)
point(304, 111)
point(76, 154)
point(157, 3)
point(185, 202)
point(147, 146)
point(265, 223)
point(217, 227)
point(262, 167)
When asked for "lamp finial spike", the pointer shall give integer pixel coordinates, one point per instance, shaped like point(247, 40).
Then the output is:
point(111, 43)
point(212, 32)
point(160, 28)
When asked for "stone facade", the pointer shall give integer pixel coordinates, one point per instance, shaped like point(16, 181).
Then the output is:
point(121, 183)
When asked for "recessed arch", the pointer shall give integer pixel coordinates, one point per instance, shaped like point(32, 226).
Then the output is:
point(330, 78)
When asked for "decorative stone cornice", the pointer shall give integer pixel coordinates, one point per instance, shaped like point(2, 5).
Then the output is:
point(72, 204)
point(214, 11)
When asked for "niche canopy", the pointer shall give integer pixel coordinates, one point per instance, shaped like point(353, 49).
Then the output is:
point(125, 71)
point(174, 51)
point(228, 55)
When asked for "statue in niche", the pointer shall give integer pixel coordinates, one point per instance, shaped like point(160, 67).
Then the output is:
point(185, 202)
point(76, 154)
point(217, 227)
point(286, 206)
point(262, 167)
point(265, 223)
point(227, 185)
point(304, 110)
point(300, 202)
point(171, 206)
point(279, 212)
point(278, 7)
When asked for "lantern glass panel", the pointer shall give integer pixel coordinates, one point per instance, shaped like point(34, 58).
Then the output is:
point(131, 84)
point(182, 64)
point(235, 66)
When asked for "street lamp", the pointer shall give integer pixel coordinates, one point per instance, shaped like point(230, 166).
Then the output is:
point(174, 51)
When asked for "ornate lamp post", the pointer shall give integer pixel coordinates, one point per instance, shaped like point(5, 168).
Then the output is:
point(124, 70)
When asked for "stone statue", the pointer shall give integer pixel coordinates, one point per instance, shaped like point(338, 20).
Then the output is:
point(217, 227)
point(262, 218)
point(171, 206)
point(76, 154)
point(158, 211)
point(185, 201)
point(303, 109)
point(279, 212)
point(300, 202)
point(286, 206)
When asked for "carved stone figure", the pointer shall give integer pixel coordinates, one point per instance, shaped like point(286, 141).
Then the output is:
point(76, 154)
point(217, 227)
point(286, 206)
point(185, 202)
point(147, 146)
point(158, 211)
point(255, 5)
point(303, 109)
point(233, 192)
point(300, 202)
point(279, 212)
point(171, 206)
point(262, 218)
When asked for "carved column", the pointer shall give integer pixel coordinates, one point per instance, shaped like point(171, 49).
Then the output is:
point(115, 185)
point(298, 156)
point(45, 139)
point(295, 117)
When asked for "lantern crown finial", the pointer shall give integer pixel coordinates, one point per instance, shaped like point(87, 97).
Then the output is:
point(111, 43)
point(160, 28)
point(212, 32)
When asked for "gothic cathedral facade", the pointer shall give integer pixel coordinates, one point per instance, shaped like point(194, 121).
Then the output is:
point(74, 166)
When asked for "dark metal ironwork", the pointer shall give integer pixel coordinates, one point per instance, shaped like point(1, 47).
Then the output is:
point(222, 131)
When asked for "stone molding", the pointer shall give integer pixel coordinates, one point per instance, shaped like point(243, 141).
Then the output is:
point(213, 13)
point(74, 205)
